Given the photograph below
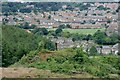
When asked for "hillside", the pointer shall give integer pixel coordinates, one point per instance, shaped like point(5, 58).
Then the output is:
point(21, 72)
point(72, 62)
point(16, 43)
point(29, 51)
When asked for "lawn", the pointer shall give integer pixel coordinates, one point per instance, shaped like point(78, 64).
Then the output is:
point(81, 31)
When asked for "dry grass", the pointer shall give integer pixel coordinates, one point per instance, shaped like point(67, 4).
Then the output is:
point(36, 73)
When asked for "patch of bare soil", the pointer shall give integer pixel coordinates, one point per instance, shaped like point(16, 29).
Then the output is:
point(35, 73)
point(17, 72)
point(44, 56)
point(28, 73)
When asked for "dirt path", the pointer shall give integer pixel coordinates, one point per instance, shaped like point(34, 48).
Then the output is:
point(28, 73)
point(35, 73)
point(21, 72)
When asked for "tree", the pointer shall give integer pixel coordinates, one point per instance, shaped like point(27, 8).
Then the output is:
point(118, 9)
point(61, 26)
point(109, 21)
point(4, 21)
point(68, 26)
point(114, 38)
point(35, 12)
point(118, 53)
point(88, 37)
point(40, 31)
point(33, 26)
point(81, 56)
point(25, 25)
point(46, 44)
point(45, 31)
point(86, 14)
point(66, 34)
point(25, 10)
point(93, 51)
point(58, 31)
point(84, 7)
point(49, 17)
point(99, 37)
point(101, 7)
point(73, 39)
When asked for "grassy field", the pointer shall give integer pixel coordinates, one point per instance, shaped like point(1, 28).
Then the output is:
point(81, 31)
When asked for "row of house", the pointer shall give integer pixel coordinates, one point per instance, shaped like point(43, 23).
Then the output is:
point(113, 28)
point(68, 43)
point(108, 49)
point(75, 18)
point(75, 22)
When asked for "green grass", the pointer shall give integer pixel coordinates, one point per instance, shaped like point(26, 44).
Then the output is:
point(64, 62)
point(81, 31)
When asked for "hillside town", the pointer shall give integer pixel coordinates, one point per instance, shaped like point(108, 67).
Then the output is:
point(97, 16)
point(91, 18)
point(74, 40)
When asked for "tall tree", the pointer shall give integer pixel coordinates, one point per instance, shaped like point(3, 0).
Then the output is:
point(93, 51)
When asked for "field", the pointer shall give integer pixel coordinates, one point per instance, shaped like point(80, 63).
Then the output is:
point(81, 31)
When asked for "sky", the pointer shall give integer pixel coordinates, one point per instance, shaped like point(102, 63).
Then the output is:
point(61, 0)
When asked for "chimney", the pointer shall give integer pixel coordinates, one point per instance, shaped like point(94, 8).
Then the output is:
point(56, 45)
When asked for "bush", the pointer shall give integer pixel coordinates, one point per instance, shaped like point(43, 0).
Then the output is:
point(46, 44)
point(93, 51)
point(81, 56)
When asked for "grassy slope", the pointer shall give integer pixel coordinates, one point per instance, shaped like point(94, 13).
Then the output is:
point(94, 66)
point(81, 31)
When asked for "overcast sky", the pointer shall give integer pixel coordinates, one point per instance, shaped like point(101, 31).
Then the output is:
point(62, 0)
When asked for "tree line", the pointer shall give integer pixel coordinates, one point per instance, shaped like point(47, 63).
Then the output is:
point(99, 37)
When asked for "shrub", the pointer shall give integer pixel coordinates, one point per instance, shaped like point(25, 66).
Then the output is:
point(81, 56)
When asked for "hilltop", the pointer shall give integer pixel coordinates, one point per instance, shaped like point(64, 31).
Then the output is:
point(72, 62)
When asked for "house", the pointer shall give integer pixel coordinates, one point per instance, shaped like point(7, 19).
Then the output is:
point(30, 6)
point(99, 49)
point(64, 6)
point(86, 45)
point(113, 28)
point(112, 6)
point(106, 50)
point(115, 49)
point(46, 23)
point(85, 26)
point(65, 43)
point(11, 21)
